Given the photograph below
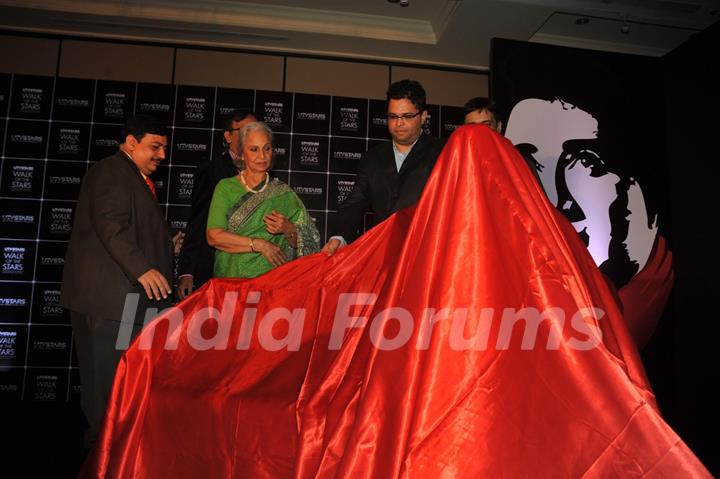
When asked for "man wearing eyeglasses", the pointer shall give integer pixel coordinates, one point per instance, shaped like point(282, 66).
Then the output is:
point(195, 266)
point(392, 175)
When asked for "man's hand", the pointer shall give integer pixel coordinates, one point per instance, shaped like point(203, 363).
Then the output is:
point(155, 284)
point(185, 286)
point(178, 242)
point(331, 246)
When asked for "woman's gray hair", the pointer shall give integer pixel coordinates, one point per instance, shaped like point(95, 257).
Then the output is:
point(244, 132)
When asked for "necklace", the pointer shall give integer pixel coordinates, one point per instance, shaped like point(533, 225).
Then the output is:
point(266, 181)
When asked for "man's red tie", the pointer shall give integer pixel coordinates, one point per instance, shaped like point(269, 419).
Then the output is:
point(151, 185)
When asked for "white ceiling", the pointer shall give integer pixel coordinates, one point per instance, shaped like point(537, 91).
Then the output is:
point(452, 33)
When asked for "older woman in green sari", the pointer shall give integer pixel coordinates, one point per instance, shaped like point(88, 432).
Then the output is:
point(256, 222)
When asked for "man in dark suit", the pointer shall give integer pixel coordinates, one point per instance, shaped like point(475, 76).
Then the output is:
point(195, 266)
point(392, 175)
point(120, 244)
point(482, 111)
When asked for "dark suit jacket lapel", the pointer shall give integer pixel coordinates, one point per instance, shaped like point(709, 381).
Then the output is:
point(414, 157)
point(388, 169)
point(141, 182)
point(227, 168)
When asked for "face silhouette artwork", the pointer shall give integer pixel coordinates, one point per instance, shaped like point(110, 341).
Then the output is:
point(605, 205)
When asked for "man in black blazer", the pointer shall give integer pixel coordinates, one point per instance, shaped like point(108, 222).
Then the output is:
point(195, 266)
point(482, 111)
point(392, 175)
point(120, 244)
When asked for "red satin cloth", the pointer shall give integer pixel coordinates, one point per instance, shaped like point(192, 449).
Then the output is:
point(482, 236)
point(645, 296)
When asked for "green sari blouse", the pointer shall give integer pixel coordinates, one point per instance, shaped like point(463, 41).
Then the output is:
point(237, 210)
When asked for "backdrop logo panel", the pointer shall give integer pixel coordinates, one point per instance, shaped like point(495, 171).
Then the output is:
point(63, 180)
point(182, 181)
point(11, 380)
point(312, 114)
point(46, 306)
point(191, 146)
point(22, 216)
point(49, 345)
point(156, 100)
point(377, 123)
point(340, 188)
point(195, 106)
point(345, 154)
point(104, 141)
point(13, 341)
point(178, 217)
point(349, 116)
point(15, 299)
point(275, 109)
point(26, 139)
point(21, 178)
point(319, 141)
point(229, 99)
point(73, 100)
point(31, 97)
point(50, 260)
point(309, 153)
point(18, 258)
point(57, 220)
point(114, 101)
point(452, 117)
point(69, 141)
point(310, 188)
point(46, 385)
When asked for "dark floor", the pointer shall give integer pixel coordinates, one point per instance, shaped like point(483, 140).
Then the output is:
point(41, 440)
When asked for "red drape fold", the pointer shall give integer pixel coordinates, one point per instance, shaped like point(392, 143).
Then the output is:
point(458, 389)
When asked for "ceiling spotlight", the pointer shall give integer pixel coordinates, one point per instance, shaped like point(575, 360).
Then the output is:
point(625, 27)
point(582, 20)
point(404, 3)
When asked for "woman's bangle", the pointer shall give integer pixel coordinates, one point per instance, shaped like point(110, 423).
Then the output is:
point(252, 246)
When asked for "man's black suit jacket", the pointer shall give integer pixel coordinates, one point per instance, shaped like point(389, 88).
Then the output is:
point(119, 233)
point(380, 188)
point(196, 256)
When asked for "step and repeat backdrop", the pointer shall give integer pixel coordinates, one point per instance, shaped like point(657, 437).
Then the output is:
point(53, 129)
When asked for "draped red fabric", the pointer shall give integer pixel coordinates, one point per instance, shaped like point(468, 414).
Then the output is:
point(455, 389)
point(644, 298)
